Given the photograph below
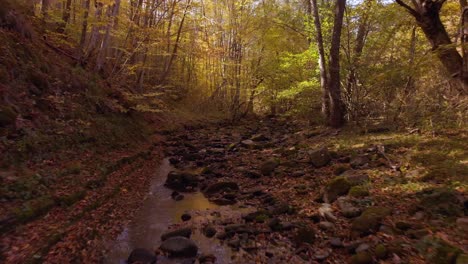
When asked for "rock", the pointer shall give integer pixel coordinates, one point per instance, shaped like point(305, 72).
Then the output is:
point(223, 201)
point(234, 243)
point(305, 235)
point(361, 258)
point(326, 211)
point(319, 158)
point(336, 242)
point(362, 247)
point(335, 188)
point(183, 232)
point(221, 186)
point(259, 137)
point(141, 256)
point(268, 167)
point(275, 224)
point(209, 231)
point(347, 209)
point(358, 191)
point(207, 259)
point(248, 143)
point(381, 251)
point(282, 208)
point(326, 225)
point(179, 247)
point(181, 181)
point(258, 217)
point(356, 177)
point(340, 169)
point(297, 174)
point(462, 224)
point(252, 174)
point(360, 161)
point(462, 259)
point(186, 217)
point(179, 197)
point(438, 251)
point(417, 234)
point(236, 229)
point(370, 220)
point(321, 254)
point(402, 225)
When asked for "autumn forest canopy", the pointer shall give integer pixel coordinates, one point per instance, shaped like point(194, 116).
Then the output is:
point(233, 131)
point(328, 61)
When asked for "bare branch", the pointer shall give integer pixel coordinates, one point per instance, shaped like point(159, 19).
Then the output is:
point(408, 8)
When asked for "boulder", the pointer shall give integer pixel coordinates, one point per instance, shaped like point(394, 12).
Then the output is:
point(183, 232)
point(438, 251)
point(370, 220)
point(356, 177)
point(209, 231)
point(319, 158)
point(141, 256)
point(179, 247)
point(305, 235)
point(358, 191)
point(361, 258)
point(359, 161)
point(347, 208)
point(444, 202)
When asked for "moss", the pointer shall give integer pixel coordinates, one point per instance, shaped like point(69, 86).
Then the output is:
point(261, 218)
point(381, 251)
point(437, 251)
point(441, 201)
point(35, 208)
point(361, 258)
point(370, 220)
point(69, 200)
point(337, 187)
point(359, 191)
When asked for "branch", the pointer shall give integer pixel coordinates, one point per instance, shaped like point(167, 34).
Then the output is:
point(408, 8)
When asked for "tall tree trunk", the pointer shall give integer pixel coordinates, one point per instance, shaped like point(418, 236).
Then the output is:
point(66, 13)
point(84, 28)
point(313, 9)
point(337, 110)
point(113, 12)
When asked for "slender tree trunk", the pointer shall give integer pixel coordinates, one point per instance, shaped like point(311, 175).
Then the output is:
point(112, 14)
point(66, 13)
point(337, 110)
point(313, 8)
point(84, 28)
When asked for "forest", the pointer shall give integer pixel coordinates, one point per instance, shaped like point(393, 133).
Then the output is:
point(234, 131)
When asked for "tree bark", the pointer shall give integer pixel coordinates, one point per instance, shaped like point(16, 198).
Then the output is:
point(337, 110)
point(313, 10)
point(427, 15)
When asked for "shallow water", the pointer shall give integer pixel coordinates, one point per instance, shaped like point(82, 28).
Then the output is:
point(158, 212)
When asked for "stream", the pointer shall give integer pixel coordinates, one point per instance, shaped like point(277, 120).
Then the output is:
point(158, 212)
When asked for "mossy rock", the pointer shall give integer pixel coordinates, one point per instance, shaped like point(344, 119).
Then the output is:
point(7, 116)
point(319, 158)
point(438, 251)
point(359, 191)
point(370, 220)
point(361, 258)
point(337, 187)
point(381, 251)
point(442, 202)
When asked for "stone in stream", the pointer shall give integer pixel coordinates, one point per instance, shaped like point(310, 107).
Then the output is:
point(181, 181)
point(179, 247)
point(220, 186)
point(142, 256)
point(186, 217)
point(267, 167)
point(209, 231)
point(183, 232)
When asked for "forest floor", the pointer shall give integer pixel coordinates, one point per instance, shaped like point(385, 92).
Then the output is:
point(312, 195)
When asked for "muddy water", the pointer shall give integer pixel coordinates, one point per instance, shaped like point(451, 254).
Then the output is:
point(158, 212)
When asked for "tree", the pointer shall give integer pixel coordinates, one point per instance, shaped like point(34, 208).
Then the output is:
point(427, 15)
